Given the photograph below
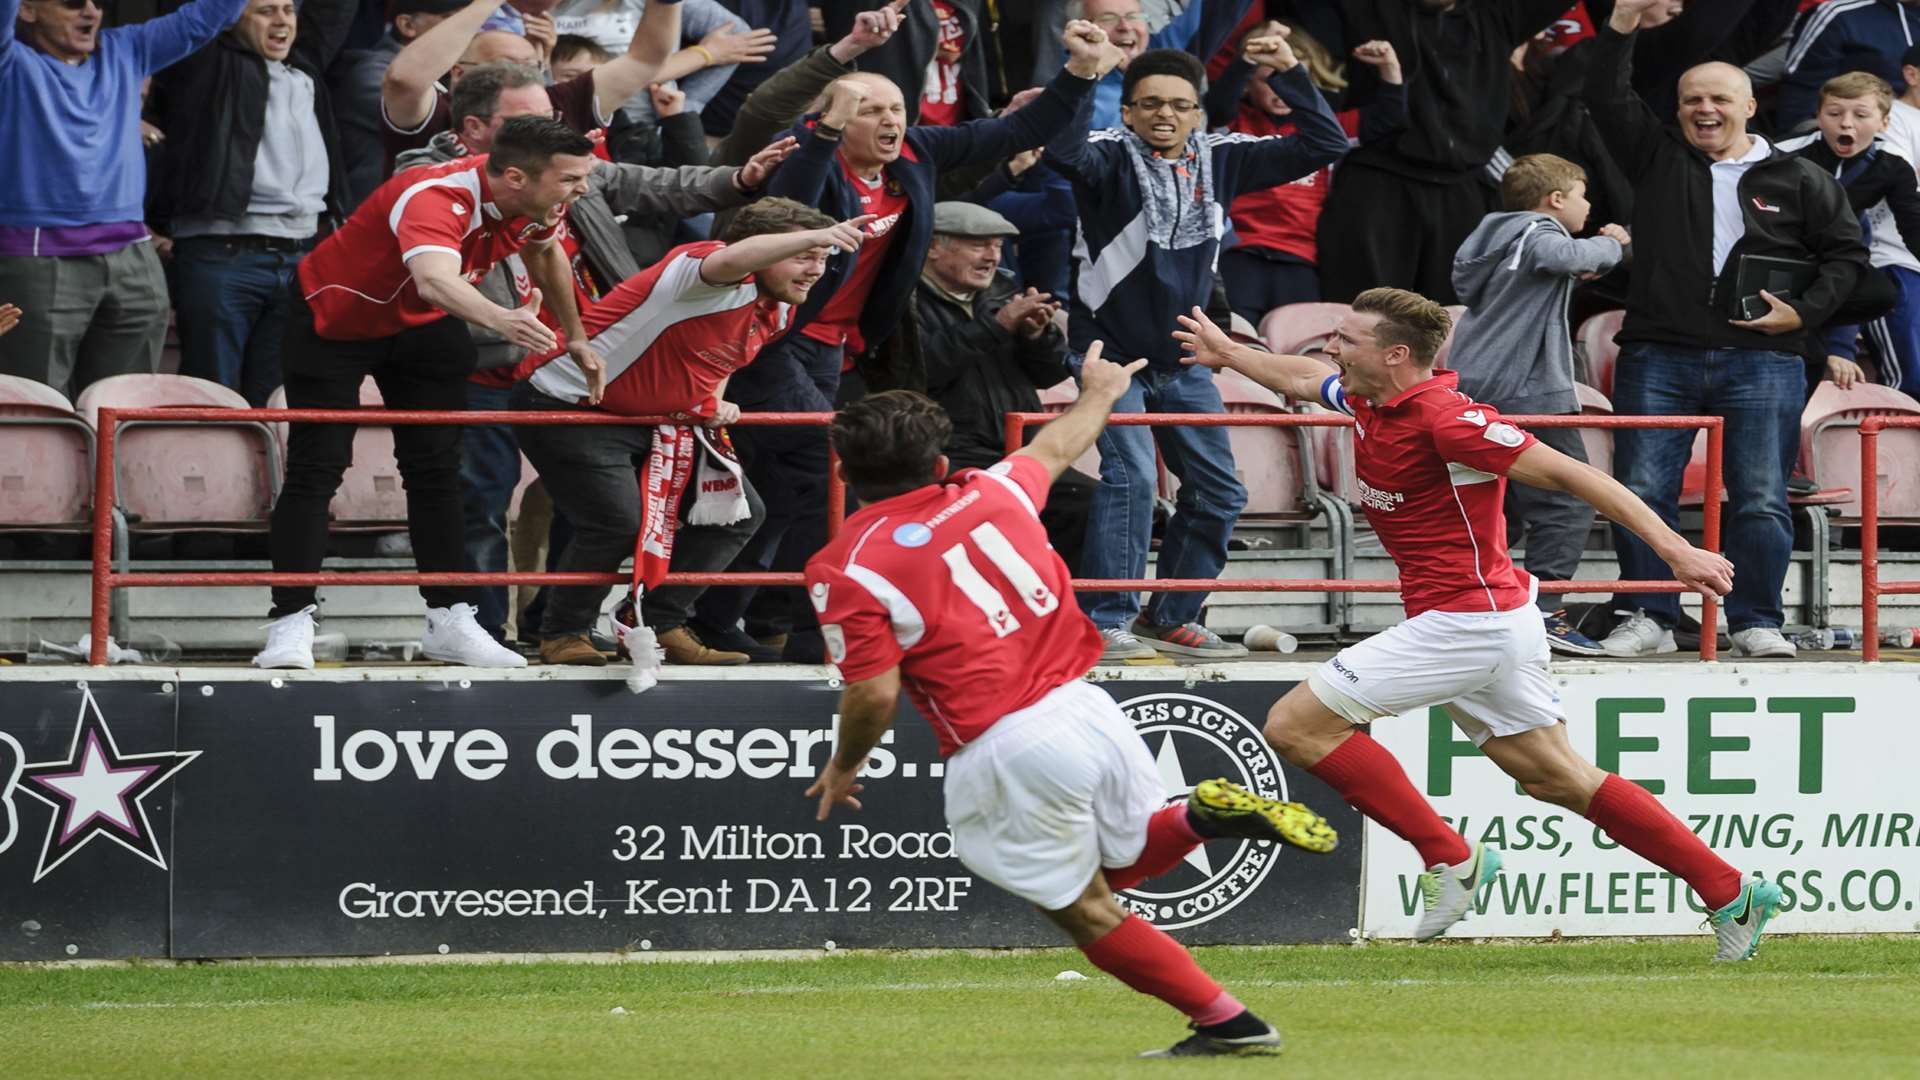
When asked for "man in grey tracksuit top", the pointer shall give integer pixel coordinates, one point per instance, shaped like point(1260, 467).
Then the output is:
point(1514, 351)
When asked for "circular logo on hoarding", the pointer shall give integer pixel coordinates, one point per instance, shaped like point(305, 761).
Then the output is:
point(1194, 739)
point(912, 535)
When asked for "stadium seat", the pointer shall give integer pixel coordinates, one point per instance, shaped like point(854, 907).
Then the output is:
point(1058, 398)
point(46, 460)
point(1244, 332)
point(1455, 312)
point(1594, 340)
point(1598, 441)
point(1273, 462)
point(1830, 448)
point(1301, 329)
point(186, 475)
point(371, 496)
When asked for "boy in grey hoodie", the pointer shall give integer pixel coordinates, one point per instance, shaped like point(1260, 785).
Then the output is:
point(1514, 349)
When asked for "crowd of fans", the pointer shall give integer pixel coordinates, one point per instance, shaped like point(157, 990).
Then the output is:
point(700, 208)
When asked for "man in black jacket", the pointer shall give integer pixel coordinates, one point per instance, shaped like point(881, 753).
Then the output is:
point(1709, 196)
point(1399, 208)
point(250, 171)
point(988, 347)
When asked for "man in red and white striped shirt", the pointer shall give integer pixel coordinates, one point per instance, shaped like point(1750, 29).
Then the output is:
point(671, 336)
point(386, 297)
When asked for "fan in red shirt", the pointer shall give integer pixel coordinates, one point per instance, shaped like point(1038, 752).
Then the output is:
point(671, 336)
point(388, 296)
point(1432, 465)
point(946, 585)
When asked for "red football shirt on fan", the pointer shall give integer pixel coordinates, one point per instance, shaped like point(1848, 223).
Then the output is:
point(1432, 465)
point(956, 584)
point(357, 282)
point(940, 102)
point(668, 339)
point(839, 321)
point(1287, 216)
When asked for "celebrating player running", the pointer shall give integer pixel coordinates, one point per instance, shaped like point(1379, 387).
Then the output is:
point(947, 585)
point(1431, 464)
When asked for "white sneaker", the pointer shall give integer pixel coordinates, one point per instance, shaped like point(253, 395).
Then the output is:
point(1763, 641)
point(1639, 636)
point(289, 641)
point(453, 637)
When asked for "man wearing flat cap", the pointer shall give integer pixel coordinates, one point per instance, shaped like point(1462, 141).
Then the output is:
point(989, 346)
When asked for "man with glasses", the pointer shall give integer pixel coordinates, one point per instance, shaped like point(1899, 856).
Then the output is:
point(1152, 200)
point(1200, 28)
point(73, 244)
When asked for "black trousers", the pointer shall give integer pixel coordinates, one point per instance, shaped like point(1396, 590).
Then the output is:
point(422, 368)
point(1380, 228)
point(1257, 283)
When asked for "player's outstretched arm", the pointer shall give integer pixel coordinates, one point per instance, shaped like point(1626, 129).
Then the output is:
point(731, 264)
point(866, 712)
point(1542, 466)
point(1296, 377)
point(1062, 441)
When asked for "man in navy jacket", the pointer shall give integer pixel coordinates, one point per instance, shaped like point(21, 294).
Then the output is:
point(858, 158)
point(1152, 198)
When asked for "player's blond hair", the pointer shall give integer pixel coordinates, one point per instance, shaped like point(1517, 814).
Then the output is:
point(1406, 318)
point(1859, 84)
point(1529, 180)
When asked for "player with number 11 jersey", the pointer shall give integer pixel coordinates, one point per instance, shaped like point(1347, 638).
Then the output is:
point(945, 586)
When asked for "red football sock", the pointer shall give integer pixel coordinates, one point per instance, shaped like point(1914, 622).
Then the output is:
point(1631, 815)
point(1170, 836)
point(1372, 781)
point(1140, 955)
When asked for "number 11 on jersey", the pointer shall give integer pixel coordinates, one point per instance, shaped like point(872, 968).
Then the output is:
point(999, 551)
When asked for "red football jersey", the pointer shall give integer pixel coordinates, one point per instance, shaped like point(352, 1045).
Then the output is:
point(955, 583)
point(839, 319)
point(1432, 466)
point(357, 282)
point(668, 339)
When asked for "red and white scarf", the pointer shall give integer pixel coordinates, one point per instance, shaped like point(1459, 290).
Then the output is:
point(720, 498)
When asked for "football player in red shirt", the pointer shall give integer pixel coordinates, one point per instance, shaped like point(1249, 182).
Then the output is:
point(1432, 464)
point(945, 585)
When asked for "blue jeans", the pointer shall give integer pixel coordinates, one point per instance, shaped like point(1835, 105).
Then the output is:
point(230, 306)
point(1759, 393)
point(489, 471)
point(1120, 524)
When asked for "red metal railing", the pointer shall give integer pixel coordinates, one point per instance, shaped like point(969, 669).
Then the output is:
point(106, 579)
point(1871, 587)
point(1710, 511)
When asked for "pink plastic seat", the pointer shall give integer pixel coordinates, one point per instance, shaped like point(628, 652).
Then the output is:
point(1595, 339)
point(372, 497)
point(1830, 448)
point(189, 475)
point(46, 472)
point(1301, 329)
point(1598, 441)
point(1270, 461)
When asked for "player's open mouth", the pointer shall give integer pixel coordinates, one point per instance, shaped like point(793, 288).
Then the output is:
point(1845, 141)
point(279, 39)
point(1164, 131)
point(1707, 124)
point(889, 141)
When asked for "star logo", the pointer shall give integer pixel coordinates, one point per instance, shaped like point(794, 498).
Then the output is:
point(1192, 738)
point(97, 791)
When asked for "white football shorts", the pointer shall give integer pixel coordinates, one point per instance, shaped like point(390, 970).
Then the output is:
point(1489, 668)
point(1051, 793)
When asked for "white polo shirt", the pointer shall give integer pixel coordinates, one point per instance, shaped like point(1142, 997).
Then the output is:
point(1729, 225)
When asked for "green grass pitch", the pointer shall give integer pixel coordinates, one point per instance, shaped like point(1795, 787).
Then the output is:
point(1807, 1007)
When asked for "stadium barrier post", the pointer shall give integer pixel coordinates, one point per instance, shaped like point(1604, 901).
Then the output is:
point(1710, 536)
point(103, 498)
point(1870, 537)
